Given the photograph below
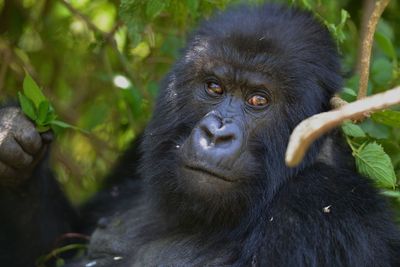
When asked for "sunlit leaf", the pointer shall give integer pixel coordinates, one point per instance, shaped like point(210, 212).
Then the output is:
point(142, 50)
point(353, 130)
point(349, 91)
point(27, 105)
point(43, 111)
point(32, 91)
point(387, 117)
point(61, 124)
point(154, 7)
point(373, 162)
point(391, 193)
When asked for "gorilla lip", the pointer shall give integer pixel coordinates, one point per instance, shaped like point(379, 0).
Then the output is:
point(208, 172)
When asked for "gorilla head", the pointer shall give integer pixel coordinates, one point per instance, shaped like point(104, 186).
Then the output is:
point(214, 149)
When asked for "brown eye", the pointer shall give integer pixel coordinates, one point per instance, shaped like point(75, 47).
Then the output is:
point(257, 101)
point(214, 88)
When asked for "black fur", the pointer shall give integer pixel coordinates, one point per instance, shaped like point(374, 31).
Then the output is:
point(321, 213)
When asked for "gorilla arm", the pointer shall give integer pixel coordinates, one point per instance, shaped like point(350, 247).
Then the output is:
point(33, 210)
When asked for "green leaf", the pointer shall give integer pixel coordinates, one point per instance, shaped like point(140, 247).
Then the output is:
point(142, 50)
point(344, 15)
point(43, 112)
point(61, 124)
point(382, 70)
point(306, 4)
point(386, 45)
point(60, 262)
point(27, 106)
point(375, 130)
point(391, 193)
point(349, 91)
point(351, 129)
point(42, 129)
point(134, 100)
point(192, 5)
point(32, 91)
point(385, 28)
point(387, 117)
point(154, 8)
point(373, 162)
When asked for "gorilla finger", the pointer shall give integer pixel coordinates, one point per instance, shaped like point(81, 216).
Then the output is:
point(13, 155)
point(7, 173)
point(29, 138)
point(47, 137)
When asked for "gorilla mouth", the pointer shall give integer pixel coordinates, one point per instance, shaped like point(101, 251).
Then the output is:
point(208, 172)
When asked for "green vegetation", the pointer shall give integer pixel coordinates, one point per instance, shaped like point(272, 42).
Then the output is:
point(36, 107)
point(100, 63)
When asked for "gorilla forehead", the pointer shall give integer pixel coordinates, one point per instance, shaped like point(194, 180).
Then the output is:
point(270, 39)
point(271, 28)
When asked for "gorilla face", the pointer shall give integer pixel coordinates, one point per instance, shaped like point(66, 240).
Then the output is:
point(216, 143)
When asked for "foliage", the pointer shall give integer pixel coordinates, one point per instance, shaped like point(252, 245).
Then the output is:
point(100, 63)
point(36, 107)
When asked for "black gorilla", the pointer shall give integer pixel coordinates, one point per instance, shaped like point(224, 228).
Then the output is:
point(206, 184)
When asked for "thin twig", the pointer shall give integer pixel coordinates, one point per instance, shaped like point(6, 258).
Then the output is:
point(108, 39)
point(366, 46)
point(312, 128)
point(78, 14)
point(366, 11)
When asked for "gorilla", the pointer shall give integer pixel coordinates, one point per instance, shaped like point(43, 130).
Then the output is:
point(206, 183)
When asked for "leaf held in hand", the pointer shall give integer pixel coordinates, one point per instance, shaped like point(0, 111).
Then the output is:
point(43, 112)
point(36, 107)
point(61, 124)
point(32, 91)
point(27, 106)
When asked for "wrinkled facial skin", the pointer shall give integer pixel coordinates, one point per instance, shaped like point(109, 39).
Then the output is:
point(215, 146)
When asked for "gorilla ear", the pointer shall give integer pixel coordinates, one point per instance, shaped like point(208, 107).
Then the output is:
point(307, 131)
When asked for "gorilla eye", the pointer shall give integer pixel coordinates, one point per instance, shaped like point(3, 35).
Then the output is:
point(214, 88)
point(257, 101)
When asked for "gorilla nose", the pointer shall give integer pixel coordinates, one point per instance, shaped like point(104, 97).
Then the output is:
point(216, 137)
point(214, 133)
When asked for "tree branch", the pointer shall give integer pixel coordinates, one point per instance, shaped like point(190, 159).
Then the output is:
point(366, 46)
point(108, 39)
point(87, 21)
point(312, 128)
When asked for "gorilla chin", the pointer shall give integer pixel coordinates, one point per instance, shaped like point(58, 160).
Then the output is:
point(206, 180)
point(208, 198)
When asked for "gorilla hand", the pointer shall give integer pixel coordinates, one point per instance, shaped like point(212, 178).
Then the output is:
point(21, 146)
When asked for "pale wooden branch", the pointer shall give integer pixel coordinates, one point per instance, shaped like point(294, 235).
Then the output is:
point(312, 128)
point(366, 46)
point(366, 11)
point(337, 102)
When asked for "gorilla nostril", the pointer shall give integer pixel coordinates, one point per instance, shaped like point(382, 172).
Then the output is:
point(224, 139)
point(207, 132)
point(227, 120)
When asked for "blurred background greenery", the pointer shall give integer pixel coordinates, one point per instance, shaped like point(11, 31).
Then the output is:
point(100, 62)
